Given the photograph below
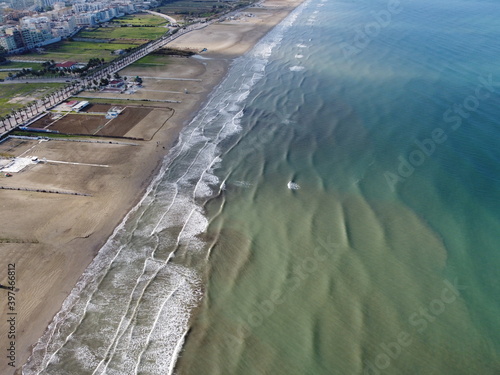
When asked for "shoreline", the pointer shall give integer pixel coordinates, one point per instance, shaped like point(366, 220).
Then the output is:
point(52, 260)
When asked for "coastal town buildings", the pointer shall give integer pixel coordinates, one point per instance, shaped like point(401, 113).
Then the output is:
point(35, 23)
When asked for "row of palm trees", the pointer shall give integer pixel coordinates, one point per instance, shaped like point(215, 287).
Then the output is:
point(34, 108)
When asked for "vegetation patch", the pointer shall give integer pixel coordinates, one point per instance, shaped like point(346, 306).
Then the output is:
point(140, 19)
point(79, 51)
point(17, 95)
point(143, 33)
point(151, 60)
point(199, 8)
point(20, 65)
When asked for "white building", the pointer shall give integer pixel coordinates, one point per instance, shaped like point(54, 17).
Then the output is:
point(89, 7)
point(86, 19)
point(64, 27)
point(8, 42)
point(39, 23)
point(44, 3)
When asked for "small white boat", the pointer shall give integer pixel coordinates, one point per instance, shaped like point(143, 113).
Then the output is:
point(293, 186)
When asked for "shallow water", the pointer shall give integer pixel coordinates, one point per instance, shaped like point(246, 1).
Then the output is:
point(370, 264)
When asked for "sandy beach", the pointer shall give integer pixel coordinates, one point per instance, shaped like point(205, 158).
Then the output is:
point(49, 239)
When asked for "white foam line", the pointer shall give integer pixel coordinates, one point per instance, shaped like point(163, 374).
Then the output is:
point(176, 188)
point(115, 340)
point(214, 159)
point(165, 213)
point(148, 339)
point(181, 177)
point(216, 215)
point(134, 311)
point(177, 351)
point(180, 233)
point(57, 327)
point(78, 325)
point(184, 145)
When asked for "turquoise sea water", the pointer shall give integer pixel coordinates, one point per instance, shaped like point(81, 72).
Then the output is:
point(332, 210)
point(349, 274)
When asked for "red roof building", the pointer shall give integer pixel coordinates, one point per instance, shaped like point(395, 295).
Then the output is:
point(66, 64)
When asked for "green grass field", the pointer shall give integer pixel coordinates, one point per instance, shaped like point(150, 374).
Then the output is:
point(16, 64)
point(78, 51)
point(26, 91)
point(149, 33)
point(200, 8)
point(151, 60)
point(193, 7)
point(140, 19)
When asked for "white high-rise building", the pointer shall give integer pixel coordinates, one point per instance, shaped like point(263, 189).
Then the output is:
point(7, 40)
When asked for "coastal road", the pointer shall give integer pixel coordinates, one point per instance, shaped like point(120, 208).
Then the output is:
point(168, 18)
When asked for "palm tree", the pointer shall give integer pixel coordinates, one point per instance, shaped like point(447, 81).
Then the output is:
point(10, 121)
point(15, 114)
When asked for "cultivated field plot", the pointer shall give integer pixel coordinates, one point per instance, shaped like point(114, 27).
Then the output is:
point(79, 124)
point(97, 108)
point(152, 60)
point(125, 121)
point(44, 122)
point(13, 147)
point(94, 124)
